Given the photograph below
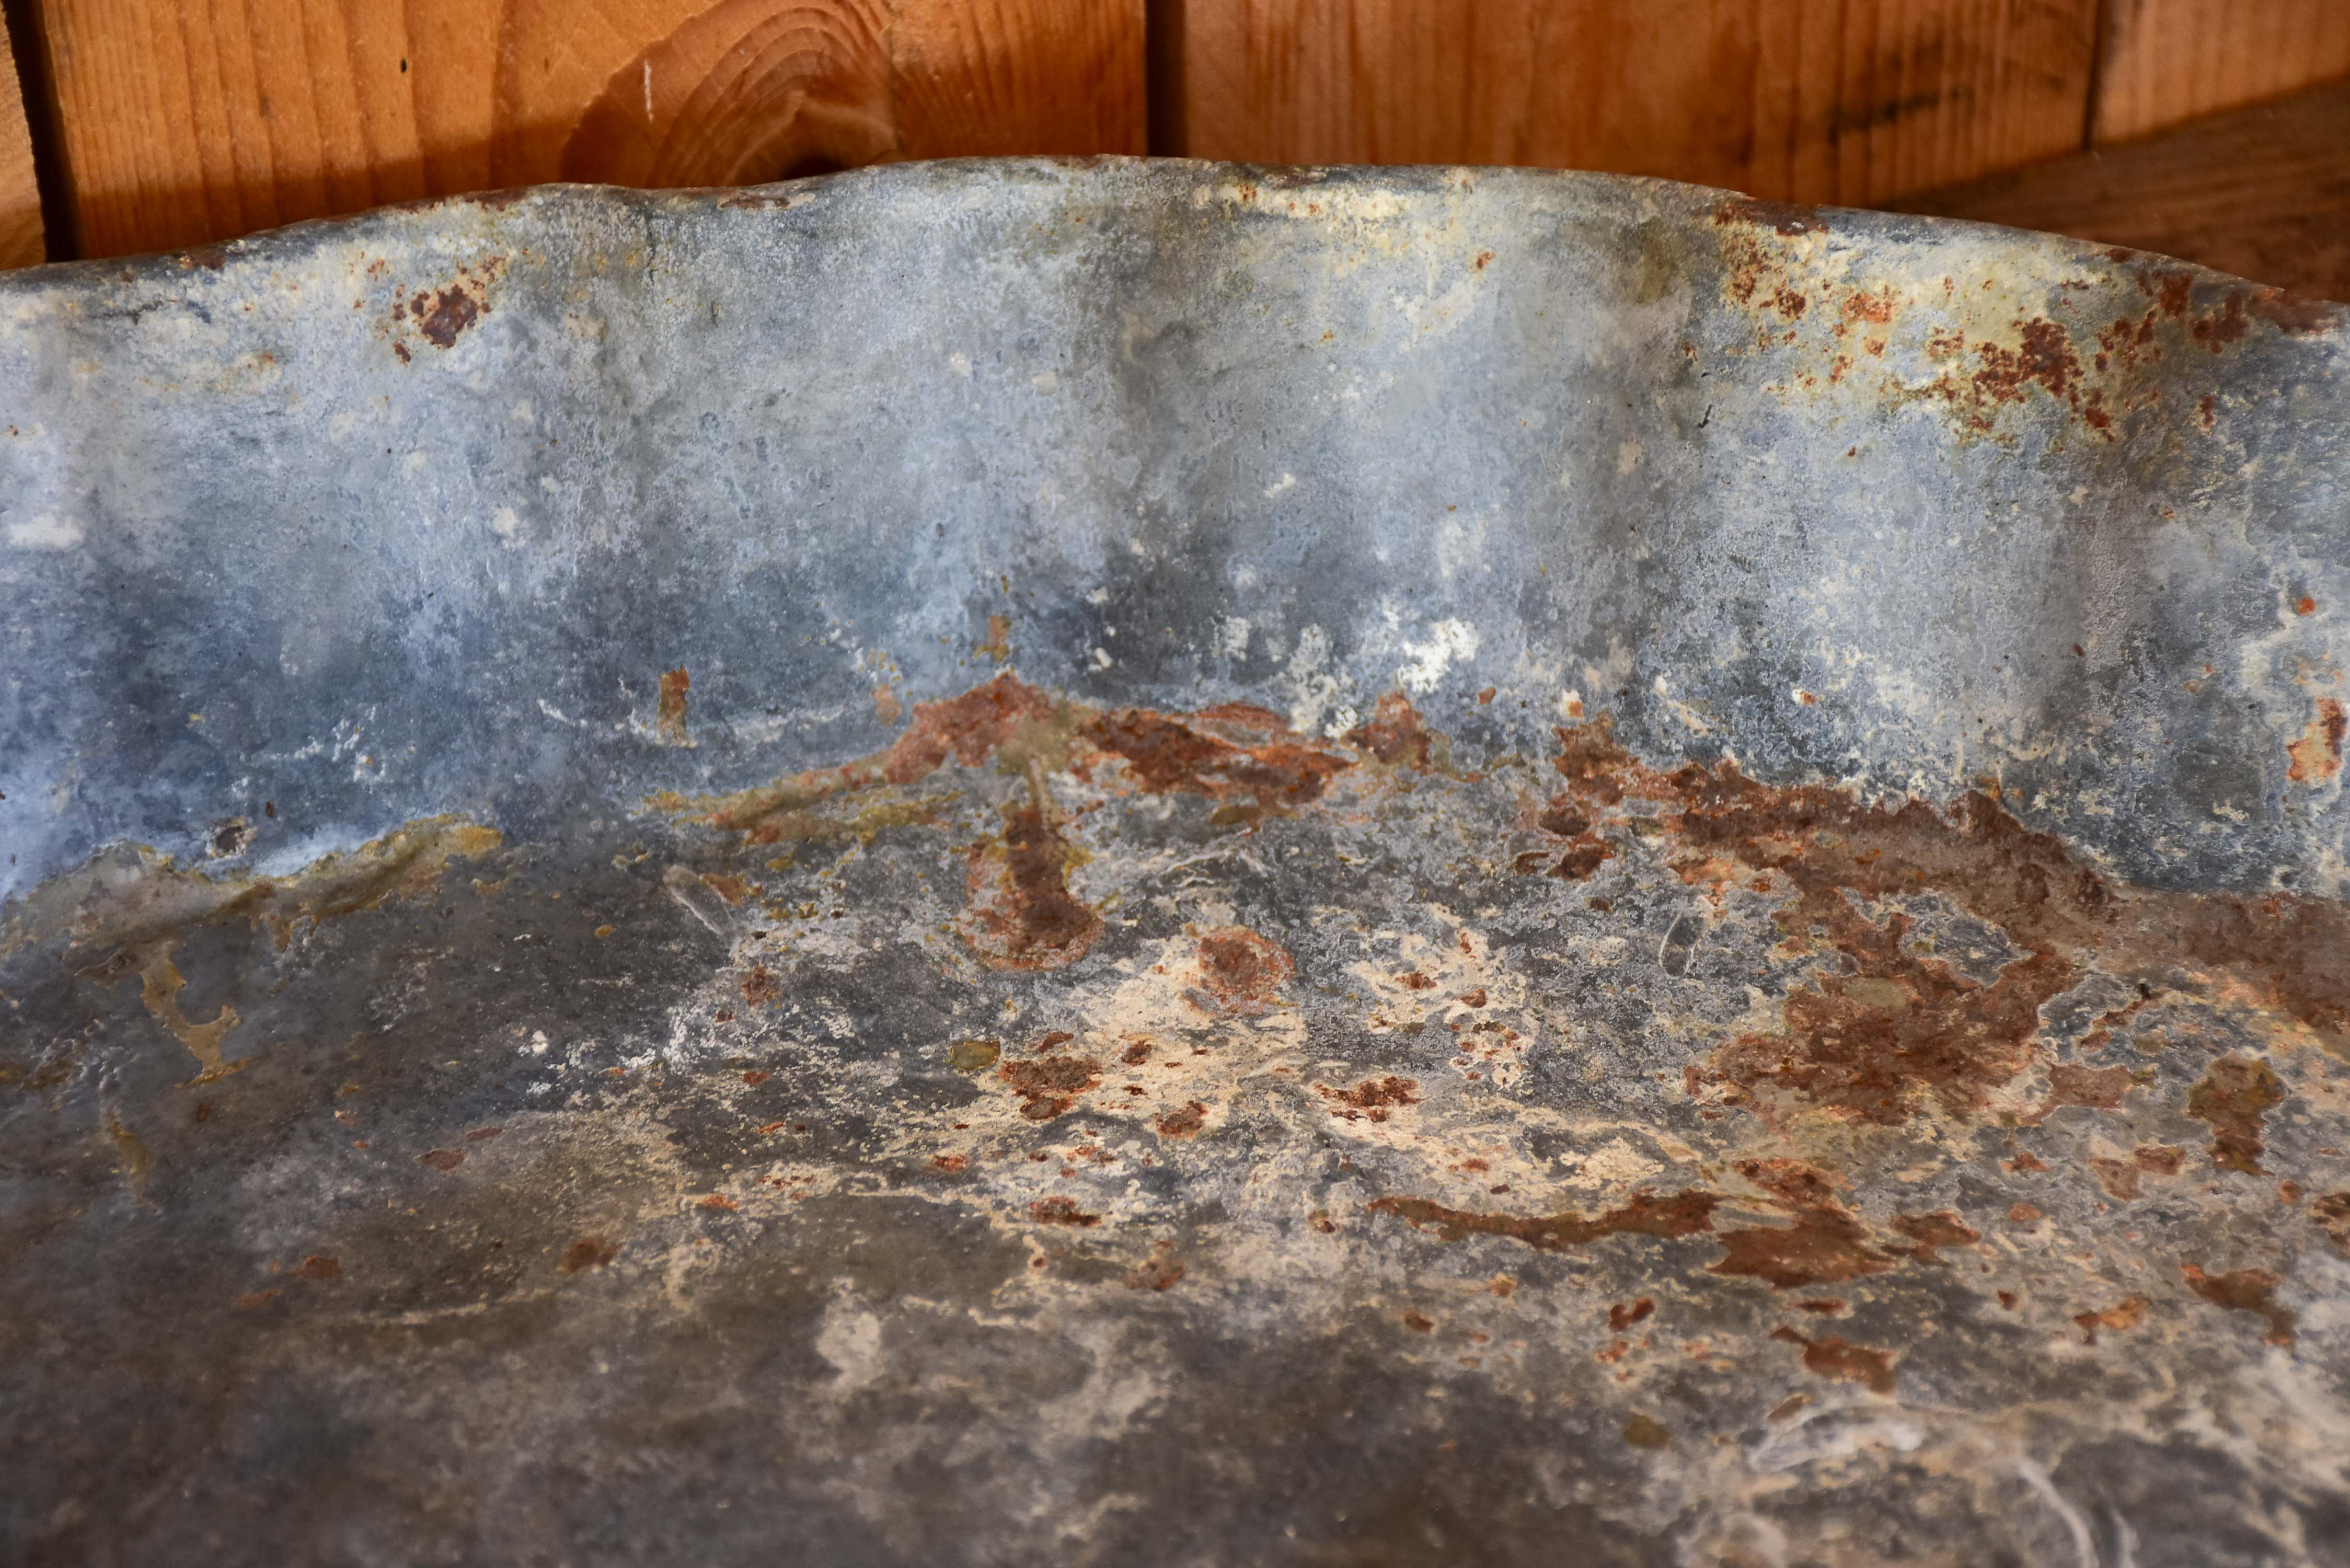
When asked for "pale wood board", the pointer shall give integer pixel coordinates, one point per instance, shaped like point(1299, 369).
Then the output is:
point(1828, 101)
point(190, 120)
point(2166, 61)
point(2263, 192)
point(22, 240)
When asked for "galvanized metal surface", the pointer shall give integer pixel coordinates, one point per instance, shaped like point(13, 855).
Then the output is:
point(1545, 869)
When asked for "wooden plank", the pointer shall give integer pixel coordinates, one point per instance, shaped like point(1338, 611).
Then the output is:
point(1829, 101)
point(2165, 61)
point(2263, 192)
point(21, 239)
point(190, 120)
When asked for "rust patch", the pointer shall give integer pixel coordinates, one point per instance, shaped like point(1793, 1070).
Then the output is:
point(1394, 733)
point(1621, 1317)
point(1184, 1121)
point(1168, 756)
point(2235, 1097)
point(2245, 1290)
point(2295, 314)
point(1062, 1212)
point(1244, 971)
point(2158, 1159)
point(2331, 1213)
point(1934, 1231)
point(442, 1159)
point(1373, 1098)
point(2121, 1178)
point(318, 1266)
point(970, 728)
point(760, 987)
point(1825, 1244)
point(669, 717)
point(1048, 1086)
point(1021, 914)
point(1887, 1028)
point(2092, 1088)
point(2317, 754)
point(2125, 1313)
point(443, 315)
point(1832, 1357)
point(1158, 1271)
point(1683, 1214)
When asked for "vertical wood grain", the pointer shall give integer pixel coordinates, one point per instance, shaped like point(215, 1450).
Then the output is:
point(188, 121)
point(1835, 100)
point(21, 235)
point(2165, 61)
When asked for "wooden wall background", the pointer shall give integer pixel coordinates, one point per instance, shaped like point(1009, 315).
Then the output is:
point(144, 125)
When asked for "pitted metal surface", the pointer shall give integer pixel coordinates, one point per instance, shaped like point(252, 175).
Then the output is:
point(1154, 863)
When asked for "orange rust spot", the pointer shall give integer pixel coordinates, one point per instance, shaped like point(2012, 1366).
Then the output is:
point(1243, 970)
point(1934, 1231)
point(2121, 1180)
point(950, 1163)
point(1373, 1098)
point(2305, 605)
point(318, 1266)
point(1876, 309)
point(1184, 1121)
point(1621, 1317)
point(2024, 1214)
point(442, 1159)
point(671, 715)
point(754, 1078)
point(718, 1202)
point(968, 728)
point(2331, 1214)
point(886, 706)
point(2093, 1088)
point(2233, 1097)
point(1021, 914)
point(727, 885)
point(1169, 756)
point(1061, 1212)
point(1826, 1243)
point(1683, 1214)
point(1832, 1357)
point(2225, 327)
point(443, 315)
point(760, 987)
point(1890, 1025)
point(1161, 1271)
point(1394, 733)
point(2317, 754)
point(2125, 1313)
point(1049, 1085)
point(2245, 1290)
point(256, 1299)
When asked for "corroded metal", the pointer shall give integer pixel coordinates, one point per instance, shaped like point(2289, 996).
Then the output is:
point(1152, 863)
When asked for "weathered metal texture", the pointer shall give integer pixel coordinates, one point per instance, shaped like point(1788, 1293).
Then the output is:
point(1152, 863)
